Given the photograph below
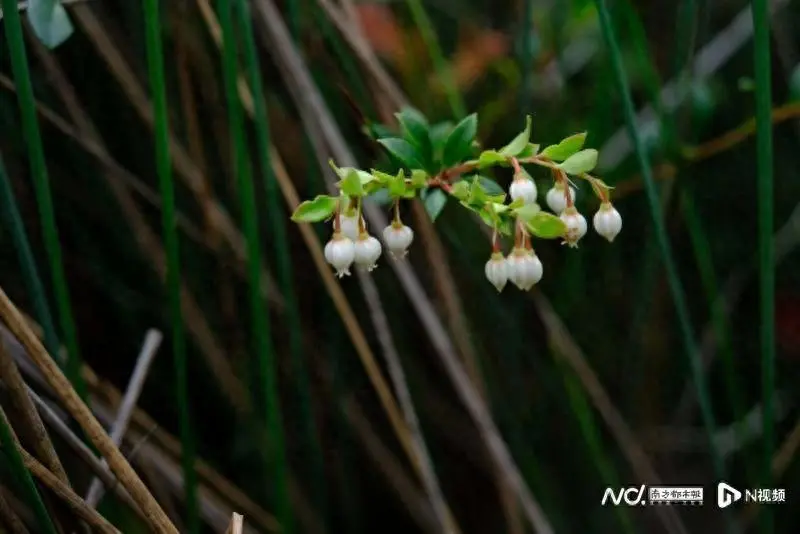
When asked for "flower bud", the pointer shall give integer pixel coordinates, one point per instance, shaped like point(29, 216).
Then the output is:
point(524, 188)
point(557, 199)
point(607, 221)
point(340, 253)
point(576, 226)
point(367, 251)
point(348, 225)
point(497, 271)
point(524, 268)
point(398, 238)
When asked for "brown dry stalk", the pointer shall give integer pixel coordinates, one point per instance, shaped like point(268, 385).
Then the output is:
point(237, 524)
point(32, 431)
point(65, 493)
point(81, 413)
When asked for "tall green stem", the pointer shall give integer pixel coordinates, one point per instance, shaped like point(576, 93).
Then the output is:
point(673, 279)
point(155, 62)
point(282, 254)
point(267, 368)
point(44, 200)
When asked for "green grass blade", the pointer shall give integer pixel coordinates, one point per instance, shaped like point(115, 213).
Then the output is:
point(673, 279)
point(30, 273)
point(591, 434)
point(426, 29)
point(766, 248)
point(41, 183)
point(9, 447)
point(313, 451)
point(278, 468)
point(155, 62)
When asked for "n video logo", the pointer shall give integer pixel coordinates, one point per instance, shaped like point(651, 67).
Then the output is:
point(727, 495)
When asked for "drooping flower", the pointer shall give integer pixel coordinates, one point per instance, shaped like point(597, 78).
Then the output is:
point(608, 221)
point(398, 238)
point(523, 187)
point(576, 226)
point(367, 251)
point(556, 198)
point(524, 268)
point(497, 271)
point(340, 253)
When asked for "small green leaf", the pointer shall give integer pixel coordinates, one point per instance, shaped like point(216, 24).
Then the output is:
point(315, 210)
point(477, 194)
point(460, 190)
point(434, 201)
point(351, 184)
point(405, 153)
point(565, 148)
point(546, 225)
point(378, 131)
point(519, 143)
point(529, 151)
point(490, 158)
point(397, 185)
point(416, 131)
point(528, 211)
point(490, 186)
point(366, 177)
point(419, 178)
point(382, 177)
point(580, 162)
point(458, 146)
point(49, 21)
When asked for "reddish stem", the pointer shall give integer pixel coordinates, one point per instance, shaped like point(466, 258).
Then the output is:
point(515, 164)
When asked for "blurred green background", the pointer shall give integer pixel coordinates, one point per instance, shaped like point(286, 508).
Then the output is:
point(590, 377)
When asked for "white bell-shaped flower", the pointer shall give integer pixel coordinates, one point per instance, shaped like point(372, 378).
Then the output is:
point(556, 198)
point(398, 238)
point(367, 251)
point(608, 221)
point(576, 226)
point(524, 268)
point(523, 187)
point(340, 253)
point(497, 271)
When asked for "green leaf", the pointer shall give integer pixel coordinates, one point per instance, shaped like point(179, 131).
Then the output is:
point(419, 178)
point(580, 162)
point(490, 158)
point(416, 131)
point(49, 21)
point(460, 190)
point(403, 151)
point(490, 186)
point(527, 212)
point(565, 148)
point(397, 185)
point(458, 146)
point(529, 151)
point(520, 142)
point(351, 185)
point(315, 210)
point(378, 131)
point(546, 225)
point(381, 177)
point(477, 194)
point(434, 201)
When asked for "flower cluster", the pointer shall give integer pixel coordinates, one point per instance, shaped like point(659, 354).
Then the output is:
point(440, 162)
point(522, 267)
point(352, 244)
